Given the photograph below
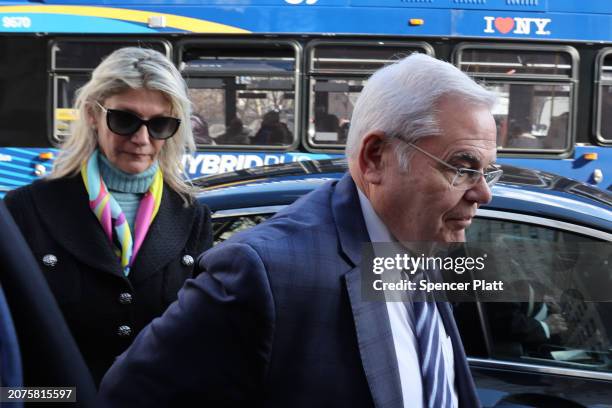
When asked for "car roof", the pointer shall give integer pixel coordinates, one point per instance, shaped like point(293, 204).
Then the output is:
point(519, 190)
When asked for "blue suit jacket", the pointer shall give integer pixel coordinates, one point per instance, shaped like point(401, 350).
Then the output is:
point(276, 320)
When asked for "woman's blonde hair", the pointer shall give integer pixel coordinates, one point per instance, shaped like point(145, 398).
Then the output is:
point(125, 69)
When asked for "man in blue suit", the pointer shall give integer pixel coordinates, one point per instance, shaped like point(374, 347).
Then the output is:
point(277, 318)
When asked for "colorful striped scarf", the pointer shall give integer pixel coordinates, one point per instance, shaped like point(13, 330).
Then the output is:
point(112, 218)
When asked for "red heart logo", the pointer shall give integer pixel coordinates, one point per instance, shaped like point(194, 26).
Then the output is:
point(504, 25)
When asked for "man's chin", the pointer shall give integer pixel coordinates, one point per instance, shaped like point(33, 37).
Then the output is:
point(453, 236)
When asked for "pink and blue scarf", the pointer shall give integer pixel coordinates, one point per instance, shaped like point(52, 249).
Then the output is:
point(112, 218)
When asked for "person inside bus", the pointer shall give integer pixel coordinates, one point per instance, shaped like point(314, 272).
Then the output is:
point(501, 123)
point(557, 132)
point(272, 131)
point(115, 226)
point(344, 131)
point(520, 138)
point(606, 112)
point(328, 123)
point(235, 134)
point(199, 127)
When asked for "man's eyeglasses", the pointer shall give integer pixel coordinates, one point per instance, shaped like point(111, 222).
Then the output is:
point(464, 179)
point(126, 123)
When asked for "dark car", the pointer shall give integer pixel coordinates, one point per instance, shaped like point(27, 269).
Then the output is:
point(551, 350)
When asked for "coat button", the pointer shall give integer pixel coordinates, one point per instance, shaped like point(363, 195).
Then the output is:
point(125, 298)
point(49, 260)
point(187, 260)
point(124, 331)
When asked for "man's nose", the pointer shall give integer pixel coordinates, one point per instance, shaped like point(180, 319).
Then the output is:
point(479, 192)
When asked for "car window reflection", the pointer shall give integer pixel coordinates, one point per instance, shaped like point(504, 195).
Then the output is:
point(556, 327)
point(224, 228)
point(559, 324)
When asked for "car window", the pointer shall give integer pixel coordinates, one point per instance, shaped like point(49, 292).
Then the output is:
point(224, 228)
point(559, 327)
point(561, 318)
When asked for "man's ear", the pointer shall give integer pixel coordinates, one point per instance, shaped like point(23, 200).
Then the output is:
point(371, 160)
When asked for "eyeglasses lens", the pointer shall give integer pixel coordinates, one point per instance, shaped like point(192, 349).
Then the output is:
point(122, 123)
point(493, 177)
point(163, 127)
point(126, 124)
point(465, 180)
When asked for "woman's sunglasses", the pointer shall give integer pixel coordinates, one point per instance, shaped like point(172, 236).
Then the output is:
point(126, 123)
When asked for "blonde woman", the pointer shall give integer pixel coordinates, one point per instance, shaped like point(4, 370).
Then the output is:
point(115, 227)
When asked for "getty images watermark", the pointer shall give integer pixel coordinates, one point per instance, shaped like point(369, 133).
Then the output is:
point(409, 265)
point(503, 270)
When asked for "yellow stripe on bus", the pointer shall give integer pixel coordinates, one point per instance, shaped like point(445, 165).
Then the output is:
point(68, 115)
point(172, 21)
point(232, 184)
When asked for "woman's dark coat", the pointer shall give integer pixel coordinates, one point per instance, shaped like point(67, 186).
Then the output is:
point(104, 309)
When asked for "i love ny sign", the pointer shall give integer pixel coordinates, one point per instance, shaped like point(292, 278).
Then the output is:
point(517, 25)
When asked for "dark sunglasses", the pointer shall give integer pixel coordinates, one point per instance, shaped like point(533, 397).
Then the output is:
point(126, 123)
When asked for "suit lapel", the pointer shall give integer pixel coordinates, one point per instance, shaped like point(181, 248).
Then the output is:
point(371, 318)
point(166, 238)
point(64, 210)
point(350, 225)
point(375, 345)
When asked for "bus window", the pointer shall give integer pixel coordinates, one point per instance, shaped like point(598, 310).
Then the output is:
point(337, 73)
point(334, 102)
point(65, 87)
point(531, 116)
point(243, 93)
point(604, 111)
point(72, 62)
point(517, 63)
point(535, 88)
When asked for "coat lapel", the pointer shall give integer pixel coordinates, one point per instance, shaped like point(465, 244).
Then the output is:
point(372, 326)
point(64, 210)
point(63, 206)
point(166, 238)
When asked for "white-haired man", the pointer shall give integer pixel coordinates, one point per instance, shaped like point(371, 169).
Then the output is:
point(277, 318)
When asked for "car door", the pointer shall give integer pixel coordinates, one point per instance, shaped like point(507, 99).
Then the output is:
point(554, 347)
point(569, 369)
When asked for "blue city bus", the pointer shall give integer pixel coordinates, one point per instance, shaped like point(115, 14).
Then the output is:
point(297, 67)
